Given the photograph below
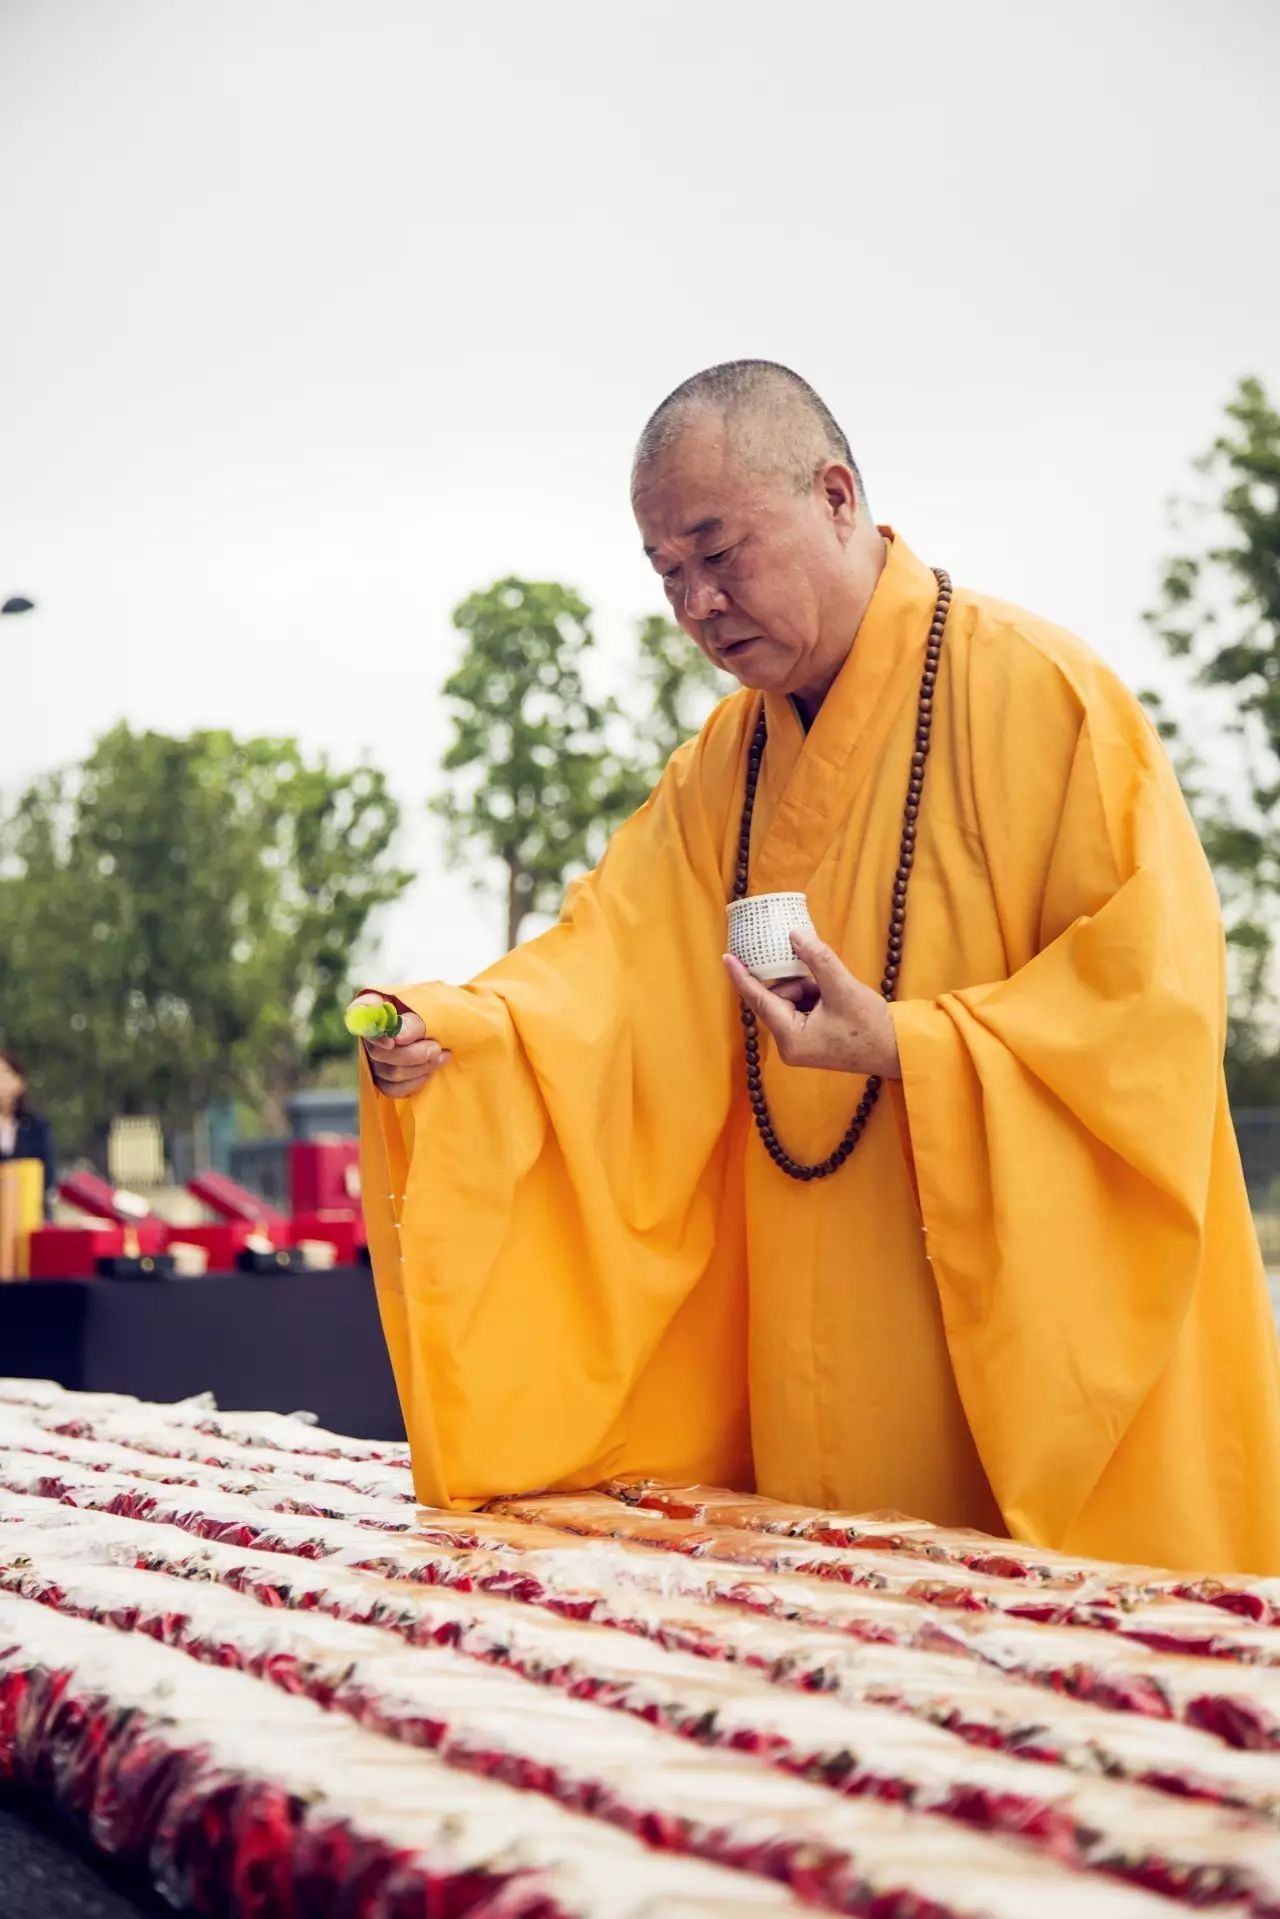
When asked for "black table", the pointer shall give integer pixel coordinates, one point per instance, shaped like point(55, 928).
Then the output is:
point(281, 1342)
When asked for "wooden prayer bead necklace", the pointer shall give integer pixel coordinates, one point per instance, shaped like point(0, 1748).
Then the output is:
point(824, 1168)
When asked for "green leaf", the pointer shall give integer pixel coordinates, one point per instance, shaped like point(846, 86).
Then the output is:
point(1218, 618)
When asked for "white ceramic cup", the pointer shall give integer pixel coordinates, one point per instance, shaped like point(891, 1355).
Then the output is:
point(760, 929)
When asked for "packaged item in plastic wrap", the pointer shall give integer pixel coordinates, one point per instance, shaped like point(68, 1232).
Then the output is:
point(143, 1429)
point(883, 1532)
point(1160, 1619)
point(1253, 1598)
point(613, 1585)
point(489, 1724)
point(47, 1392)
point(269, 1518)
point(714, 1802)
point(234, 1796)
point(895, 1719)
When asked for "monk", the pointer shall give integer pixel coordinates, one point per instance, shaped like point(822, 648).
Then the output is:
point(1029, 1297)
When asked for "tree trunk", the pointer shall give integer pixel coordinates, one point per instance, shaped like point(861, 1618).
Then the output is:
point(517, 900)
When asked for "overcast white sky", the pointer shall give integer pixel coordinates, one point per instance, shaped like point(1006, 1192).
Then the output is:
point(314, 316)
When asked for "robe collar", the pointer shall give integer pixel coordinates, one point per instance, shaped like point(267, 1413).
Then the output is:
point(812, 778)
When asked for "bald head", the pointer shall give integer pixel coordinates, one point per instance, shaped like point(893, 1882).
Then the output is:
point(751, 511)
point(775, 423)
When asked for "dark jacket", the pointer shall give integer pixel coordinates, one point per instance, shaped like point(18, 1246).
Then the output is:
point(35, 1141)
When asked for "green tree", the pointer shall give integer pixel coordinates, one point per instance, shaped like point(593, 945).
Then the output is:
point(1218, 617)
point(675, 688)
point(539, 771)
point(178, 919)
point(531, 774)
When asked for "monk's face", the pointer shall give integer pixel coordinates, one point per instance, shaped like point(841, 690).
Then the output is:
point(757, 574)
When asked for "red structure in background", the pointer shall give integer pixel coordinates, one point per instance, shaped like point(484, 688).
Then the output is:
point(123, 1224)
point(324, 1192)
point(73, 1252)
point(324, 1175)
point(232, 1201)
point(242, 1216)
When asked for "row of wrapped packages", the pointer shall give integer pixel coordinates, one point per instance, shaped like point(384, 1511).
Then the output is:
point(236, 1653)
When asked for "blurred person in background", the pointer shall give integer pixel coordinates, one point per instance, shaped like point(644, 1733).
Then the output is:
point(24, 1134)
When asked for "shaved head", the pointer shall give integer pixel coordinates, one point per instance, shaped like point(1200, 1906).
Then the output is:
point(776, 424)
point(751, 512)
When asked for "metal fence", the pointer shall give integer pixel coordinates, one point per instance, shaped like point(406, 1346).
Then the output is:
point(1258, 1131)
point(263, 1166)
point(263, 1163)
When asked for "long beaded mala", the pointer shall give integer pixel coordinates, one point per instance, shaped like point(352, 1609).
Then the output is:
point(824, 1168)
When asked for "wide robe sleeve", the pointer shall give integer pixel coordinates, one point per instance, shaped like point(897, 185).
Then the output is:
point(1079, 1184)
point(558, 1264)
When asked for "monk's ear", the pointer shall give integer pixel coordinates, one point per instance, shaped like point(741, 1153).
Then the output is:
point(840, 492)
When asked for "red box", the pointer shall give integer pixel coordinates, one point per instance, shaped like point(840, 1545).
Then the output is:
point(324, 1176)
point(148, 1235)
point(343, 1229)
point(72, 1252)
point(231, 1201)
point(90, 1194)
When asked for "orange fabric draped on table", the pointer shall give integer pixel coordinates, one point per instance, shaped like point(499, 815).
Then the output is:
point(1033, 1299)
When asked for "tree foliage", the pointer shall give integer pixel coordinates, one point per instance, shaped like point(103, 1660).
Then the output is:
point(540, 771)
point(1218, 617)
point(675, 688)
point(177, 923)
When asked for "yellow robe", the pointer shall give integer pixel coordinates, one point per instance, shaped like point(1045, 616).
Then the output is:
point(1032, 1300)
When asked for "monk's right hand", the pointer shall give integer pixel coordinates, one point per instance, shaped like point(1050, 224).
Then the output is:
point(403, 1065)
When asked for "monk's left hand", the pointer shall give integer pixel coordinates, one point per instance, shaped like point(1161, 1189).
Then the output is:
point(832, 1021)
